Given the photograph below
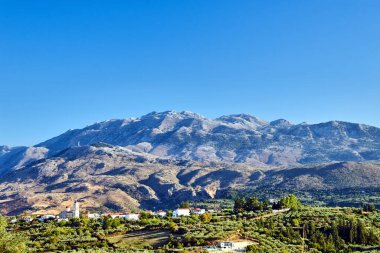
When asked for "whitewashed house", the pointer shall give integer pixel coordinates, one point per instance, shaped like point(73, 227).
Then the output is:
point(116, 215)
point(66, 214)
point(181, 212)
point(27, 218)
point(226, 245)
point(127, 216)
point(161, 214)
point(197, 211)
point(132, 216)
point(47, 217)
point(93, 216)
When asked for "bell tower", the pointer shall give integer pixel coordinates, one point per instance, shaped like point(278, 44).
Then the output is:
point(76, 210)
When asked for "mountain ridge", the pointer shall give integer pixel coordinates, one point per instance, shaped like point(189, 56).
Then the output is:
point(238, 138)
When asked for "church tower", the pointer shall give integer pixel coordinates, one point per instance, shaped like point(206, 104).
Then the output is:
point(76, 210)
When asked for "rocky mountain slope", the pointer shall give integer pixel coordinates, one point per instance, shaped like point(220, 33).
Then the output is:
point(16, 157)
point(109, 177)
point(234, 138)
point(105, 177)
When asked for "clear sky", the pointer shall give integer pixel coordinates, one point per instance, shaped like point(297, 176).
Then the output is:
point(68, 64)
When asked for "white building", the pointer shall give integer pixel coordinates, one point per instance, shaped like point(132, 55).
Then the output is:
point(181, 212)
point(161, 214)
point(69, 214)
point(132, 216)
point(93, 216)
point(27, 218)
point(76, 212)
point(47, 217)
point(226, 245)
point(127, 216)
point(197, 210)
point(116, 215)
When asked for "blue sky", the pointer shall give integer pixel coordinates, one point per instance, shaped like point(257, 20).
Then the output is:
point(67, 64)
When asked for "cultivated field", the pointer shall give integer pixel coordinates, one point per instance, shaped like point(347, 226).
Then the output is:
point(140, 239)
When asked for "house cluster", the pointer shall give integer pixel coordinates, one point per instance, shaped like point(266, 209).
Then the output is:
point(127, 216)
point(188, 211)
point(179, 212)
point(74, 212)
point(68, 213)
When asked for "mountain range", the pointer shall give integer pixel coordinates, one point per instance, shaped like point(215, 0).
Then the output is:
point(237, 138)
point(171, 156)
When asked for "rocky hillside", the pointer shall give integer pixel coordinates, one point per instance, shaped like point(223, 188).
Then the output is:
point(13, 158)
point(341, 175)
point(106, 177)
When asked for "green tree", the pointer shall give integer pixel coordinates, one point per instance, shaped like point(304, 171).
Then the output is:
point(240, 205)
point(266, 204)
point(11, 242)
point(206, 217)
point(185, 204)
point(290, 201)
point(253, 204)
point(361, 233)
point(369, 207)
point(172, 226)
point(295, 222)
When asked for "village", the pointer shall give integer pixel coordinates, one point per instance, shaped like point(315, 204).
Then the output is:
point(191, 227)
point(74, 212)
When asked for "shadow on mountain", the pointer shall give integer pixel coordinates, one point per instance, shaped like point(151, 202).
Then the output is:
point(184, 177)
point(225, 177)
